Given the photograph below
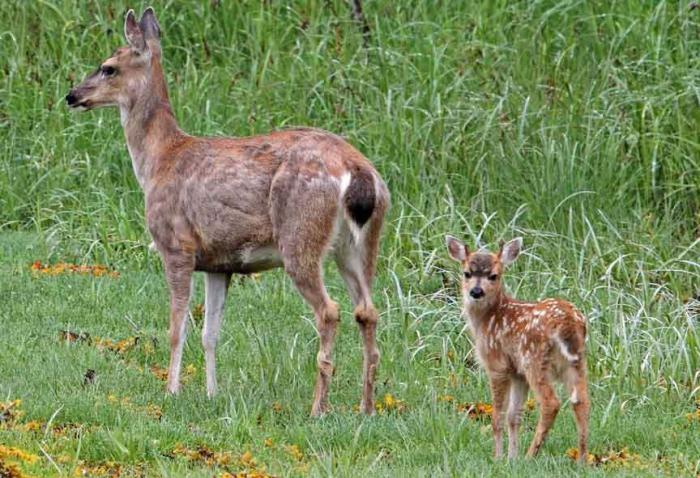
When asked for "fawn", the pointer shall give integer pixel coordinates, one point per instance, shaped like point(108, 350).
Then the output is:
point(243, 205)
point(523, 345)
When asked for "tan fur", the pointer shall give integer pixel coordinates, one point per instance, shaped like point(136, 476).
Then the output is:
point(242, 205)
point(521, 345)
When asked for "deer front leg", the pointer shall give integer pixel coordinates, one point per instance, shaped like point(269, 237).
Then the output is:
point(179, 276)
point(518, 394)
point(499, 391)
point(215, 287)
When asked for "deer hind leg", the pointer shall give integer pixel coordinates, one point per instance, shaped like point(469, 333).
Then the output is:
point(178, 272)
point(356, 259)
point(518, 394)
point(539, 381)
point(308, 279)
point(215, 288)
point(304, 212)
point(577, 386)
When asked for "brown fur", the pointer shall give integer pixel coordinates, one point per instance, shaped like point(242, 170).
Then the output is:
point(523, 345)
point(242, 205)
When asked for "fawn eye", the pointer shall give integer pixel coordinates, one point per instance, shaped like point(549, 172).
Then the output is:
point(493, 277)
point(108, 70)
point(467, 275)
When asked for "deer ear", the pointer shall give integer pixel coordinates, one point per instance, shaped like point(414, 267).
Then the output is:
point(510, 251)
point(150, 28)
point(458, 251)
point(133, 33)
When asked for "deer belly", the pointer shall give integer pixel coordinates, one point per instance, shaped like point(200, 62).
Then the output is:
point(246, 260)
point(256, 259)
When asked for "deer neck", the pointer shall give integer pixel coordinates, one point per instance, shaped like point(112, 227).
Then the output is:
point(149, 124)
point(482, 314)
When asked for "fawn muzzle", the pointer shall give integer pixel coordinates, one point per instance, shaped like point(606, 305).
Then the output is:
point(477, 292)
point(71, 99)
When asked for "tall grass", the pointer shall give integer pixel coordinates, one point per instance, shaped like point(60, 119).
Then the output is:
point(572, 123)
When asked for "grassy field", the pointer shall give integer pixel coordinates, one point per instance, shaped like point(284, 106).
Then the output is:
point(571, 123)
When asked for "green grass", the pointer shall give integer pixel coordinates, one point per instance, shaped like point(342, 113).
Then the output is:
point(572, 123)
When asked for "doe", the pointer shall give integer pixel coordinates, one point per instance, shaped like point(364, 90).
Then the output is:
point(243, 205)
point(523, 345)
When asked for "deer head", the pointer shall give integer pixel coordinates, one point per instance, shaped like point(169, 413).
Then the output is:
point(126, 74)
point(482, 270)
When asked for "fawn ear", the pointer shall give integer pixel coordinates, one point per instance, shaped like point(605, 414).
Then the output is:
point(458, 251)
point(133, 33)
point(150, 28)
point(510, 251)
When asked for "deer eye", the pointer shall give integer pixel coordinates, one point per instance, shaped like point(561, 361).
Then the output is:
point(467, 275)
point(493, 277)
point(108, 70)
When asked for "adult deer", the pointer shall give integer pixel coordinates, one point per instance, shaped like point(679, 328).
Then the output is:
point(243, 205)
point(523, 345)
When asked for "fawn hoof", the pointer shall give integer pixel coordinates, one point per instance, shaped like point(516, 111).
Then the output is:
point(318, 411)
point(367, 408)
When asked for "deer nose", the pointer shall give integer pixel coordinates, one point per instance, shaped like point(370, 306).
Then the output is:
point(477, 292)
point(71, 99)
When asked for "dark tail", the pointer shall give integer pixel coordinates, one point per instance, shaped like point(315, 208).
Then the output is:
point(360, 198)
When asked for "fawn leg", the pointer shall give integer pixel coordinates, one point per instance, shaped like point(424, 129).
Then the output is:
point(499, 391)
point(549, 407)
point(578, 387)
point(518, 394)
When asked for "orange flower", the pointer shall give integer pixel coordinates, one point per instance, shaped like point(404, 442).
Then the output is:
point(613, 458)
point(17, 453)
point(476, 410)
point(162, 373)
point(295, 452)
point(10, 470)
point(66, 268)
point(10, 412)
point(202, 454)
point(247, 460)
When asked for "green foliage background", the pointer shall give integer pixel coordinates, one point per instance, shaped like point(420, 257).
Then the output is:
point(571, 123)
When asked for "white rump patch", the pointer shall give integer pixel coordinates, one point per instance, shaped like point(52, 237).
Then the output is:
point(355, 230)
point(344, 183)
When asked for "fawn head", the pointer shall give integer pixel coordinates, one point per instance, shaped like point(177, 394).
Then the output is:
point(481, 270)
point(125, 74)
